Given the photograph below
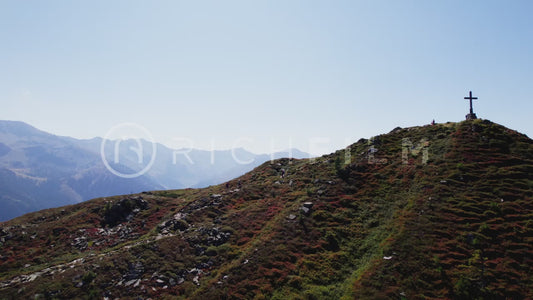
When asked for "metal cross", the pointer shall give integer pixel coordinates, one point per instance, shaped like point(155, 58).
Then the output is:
point(471, 98)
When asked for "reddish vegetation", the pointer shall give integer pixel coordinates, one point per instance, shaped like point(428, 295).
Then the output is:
point(458, 227)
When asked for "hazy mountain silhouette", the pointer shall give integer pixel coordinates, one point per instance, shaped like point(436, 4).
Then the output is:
point(40, 170)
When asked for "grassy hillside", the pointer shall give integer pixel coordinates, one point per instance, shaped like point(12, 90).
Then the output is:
point(445, 214)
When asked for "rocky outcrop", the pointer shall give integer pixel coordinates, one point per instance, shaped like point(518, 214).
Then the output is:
point(122, 211)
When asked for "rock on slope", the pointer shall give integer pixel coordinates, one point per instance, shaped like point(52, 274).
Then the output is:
point(375, 220)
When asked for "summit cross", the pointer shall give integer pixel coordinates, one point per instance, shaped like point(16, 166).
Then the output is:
point(471, 115)
point(471, 98)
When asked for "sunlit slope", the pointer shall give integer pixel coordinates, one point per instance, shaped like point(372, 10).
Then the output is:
point(440, 211)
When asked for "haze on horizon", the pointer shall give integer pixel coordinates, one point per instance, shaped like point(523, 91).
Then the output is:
point(265, 76)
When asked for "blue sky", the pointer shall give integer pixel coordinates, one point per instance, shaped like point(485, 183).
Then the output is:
point(264, 75)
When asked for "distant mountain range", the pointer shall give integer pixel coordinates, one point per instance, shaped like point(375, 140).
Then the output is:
point(40, 170)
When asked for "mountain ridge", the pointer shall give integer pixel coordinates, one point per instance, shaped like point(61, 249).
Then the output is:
point(45, 170)
point(438, 211)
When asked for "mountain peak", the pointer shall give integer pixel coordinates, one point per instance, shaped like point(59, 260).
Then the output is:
point(437, 211)
point(19, 128)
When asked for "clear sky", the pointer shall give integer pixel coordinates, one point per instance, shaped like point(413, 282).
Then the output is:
point(261, 73)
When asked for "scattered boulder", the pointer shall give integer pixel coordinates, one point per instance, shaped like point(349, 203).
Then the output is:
point(291, 217)
point(210, 237)
point(305, 210)
point(173, 225)
point(123, 210)
point(135, 271)
point(130, 282)
point(172, 282)
point(5, 234)
point(80, 243)
point(306, 207)
point(308, 204)
point(160, 282)
point(217, 199)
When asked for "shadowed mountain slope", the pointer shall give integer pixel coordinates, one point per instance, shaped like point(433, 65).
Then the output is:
point(440, 211)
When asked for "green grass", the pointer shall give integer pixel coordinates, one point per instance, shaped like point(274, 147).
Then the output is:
point(443, 225)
